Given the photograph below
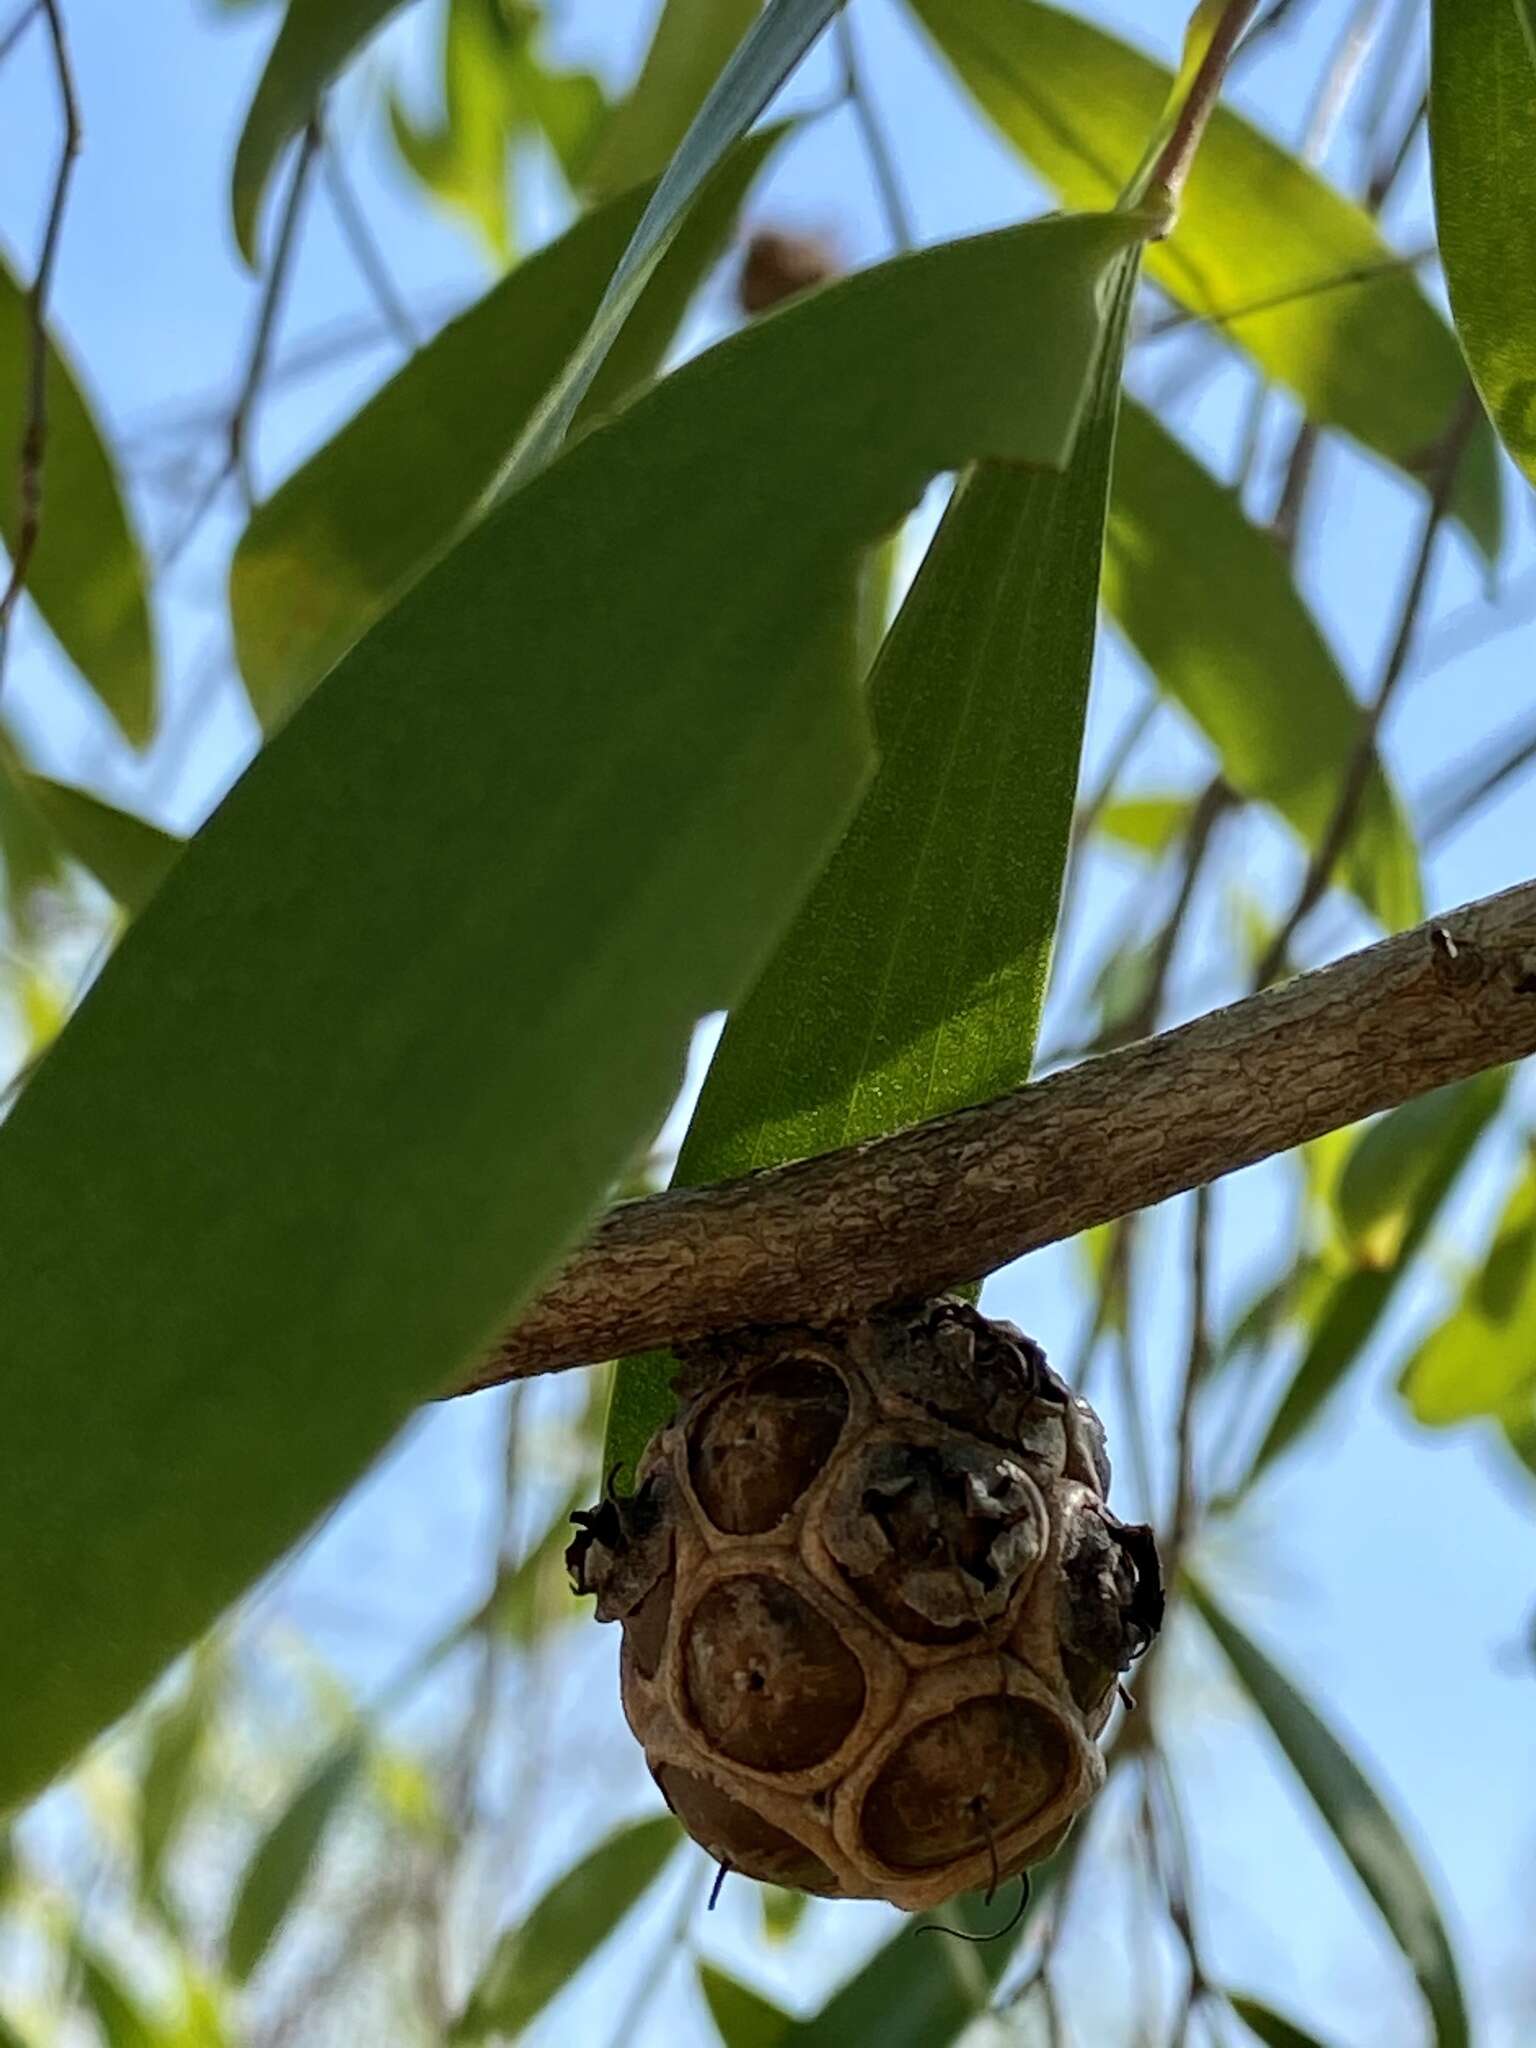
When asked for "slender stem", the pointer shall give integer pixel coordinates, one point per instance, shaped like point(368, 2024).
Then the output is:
point(265, 330)
point(906, 1216)
point(1197, 1360)
point(1169, 172)
point(366, 253)
point(882, 162)
point(1357, 772)
point(34, 433)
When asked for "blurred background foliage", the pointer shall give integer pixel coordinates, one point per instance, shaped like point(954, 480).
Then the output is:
point(390, 1800)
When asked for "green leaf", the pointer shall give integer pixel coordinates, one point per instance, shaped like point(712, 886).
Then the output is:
point(1257, 230)
point(905, 1996)
point(531, 1598)
point(1482, 1359)
point(536, 1959)
point(1448, 1132)
point(282, 1860)
point(123, 2022)
point(1146, 824)
point(9, 2038)
point(927, 941)
point(772, 47)
point(316, 40)
point(462, 158)
point(1269, 2027)
point(692, 42)
point(177, 1737)
point(743, 2018)
point(406, 1007)
point(1482, 124)
point(87, 575)
point(128, 856)
point(781, 1911)
point(1356, 1818)
point(1205, 600)
point(28, 845)
point(342, 537)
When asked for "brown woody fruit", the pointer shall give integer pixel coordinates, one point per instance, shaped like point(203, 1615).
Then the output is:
point(874, 1605)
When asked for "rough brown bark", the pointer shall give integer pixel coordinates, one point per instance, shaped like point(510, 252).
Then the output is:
point(952, 1199)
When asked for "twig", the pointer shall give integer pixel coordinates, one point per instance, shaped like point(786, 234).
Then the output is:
point(1196, 1362)
point(909, 1215)
point(366, 253)
point(34, 433)
point(1449, 806)
point(236, 462)
point(1205, 814)
point(1171, 167)
point(1357, 771)
point(19, 27)
point(1182, 317)
point(882, 163)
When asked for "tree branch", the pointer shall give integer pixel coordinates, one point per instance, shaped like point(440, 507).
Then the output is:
point(910, 1215)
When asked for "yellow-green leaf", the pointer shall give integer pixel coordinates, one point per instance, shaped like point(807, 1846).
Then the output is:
point(1257, 229)
point(690, 46)
point(128, 856)
point(1483, 140)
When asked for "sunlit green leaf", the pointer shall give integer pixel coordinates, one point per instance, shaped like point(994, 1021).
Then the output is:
point(1146, 824)
point(772, 47)
point(337, 542)
point(29, 847)
point(743, 2017)
point(1206, 601)
point(1257, 229)
point(1270, 2028)
point(1355, 1816)
point(282, 1860)
point(87, 575)
point(1482, 1359)
point(461, 157)
point(927, 941)
point(123, 2021)
point(1448, 1132)
point(406, 1007)
point(534, 1960)
point(781, 1910)
point(316, 40)
point(692, 42)
point(127, 855)
point(1482, 119)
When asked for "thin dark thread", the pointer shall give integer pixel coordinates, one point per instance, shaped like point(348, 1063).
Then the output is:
point(714, 1891)
point(980, 1940)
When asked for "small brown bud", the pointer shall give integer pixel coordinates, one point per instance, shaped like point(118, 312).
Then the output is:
point(777, 266)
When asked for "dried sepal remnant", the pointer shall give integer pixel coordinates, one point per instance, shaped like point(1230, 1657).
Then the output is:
point(874, 1603)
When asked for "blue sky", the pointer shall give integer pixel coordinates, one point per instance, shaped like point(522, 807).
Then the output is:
point(1393, 1571)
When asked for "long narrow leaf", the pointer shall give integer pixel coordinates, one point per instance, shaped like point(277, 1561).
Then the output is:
point(127, 855)
point(1355, 1816)
point(743, 2017)
point(1257, 229)
point(280, 1865)
point(691, 45)
point(338, 541)
point(1444, 1131)
point(536, 1959)
point(87, 575)
point(316, 39)
point(1270, 2028)
point(913, 980)
point(769, 52)
point(1483, 138)
point(1205, 600)
point(414, 996)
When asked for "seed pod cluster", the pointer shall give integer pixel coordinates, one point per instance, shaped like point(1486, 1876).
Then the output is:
point(874, 1606)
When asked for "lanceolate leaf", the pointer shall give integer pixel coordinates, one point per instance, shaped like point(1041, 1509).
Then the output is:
point(317, 38)
point(1355, 1816)
point(122, 2021)
point(412, 998)
point(771, 49)
point(1482, 1359)
point(1270, 2028)
point(87, 575)
point(1483, 135)
point(913, 979)
point(127, 855)
point(1256, 228)
point(177, 1738)
point(1443, 1131)
point(29, 849)
point(536, 1959)
point(1205, 600)
point(693, 40)
point(743, 2017)
point(340, 539)
point(284, 1857)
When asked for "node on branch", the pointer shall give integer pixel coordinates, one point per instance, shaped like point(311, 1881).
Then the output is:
point(874, 1604)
